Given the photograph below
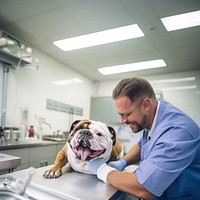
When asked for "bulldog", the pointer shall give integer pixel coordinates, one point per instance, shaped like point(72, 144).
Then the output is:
point(87, 140)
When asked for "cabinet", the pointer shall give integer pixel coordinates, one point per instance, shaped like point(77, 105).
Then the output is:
point(59, 147)
point(41, 156)
point(37, 156)
point(103, 109)
point(23, 153)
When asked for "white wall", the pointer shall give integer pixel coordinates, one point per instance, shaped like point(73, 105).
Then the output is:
point(29, 89)
point(186, 99)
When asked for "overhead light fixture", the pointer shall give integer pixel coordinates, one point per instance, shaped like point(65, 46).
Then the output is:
point(132, 67)
point(98, 38)
point(67, 81)
point(189, 87)
point(174, 80)
point(181, 21)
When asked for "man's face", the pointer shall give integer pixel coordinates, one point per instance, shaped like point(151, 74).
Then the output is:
point(131, 113)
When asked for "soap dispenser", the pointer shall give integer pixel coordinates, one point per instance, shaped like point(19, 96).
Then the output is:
point(31, 131)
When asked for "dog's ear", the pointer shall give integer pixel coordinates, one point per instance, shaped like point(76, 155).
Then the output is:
point(73, 125)
point(112, 131)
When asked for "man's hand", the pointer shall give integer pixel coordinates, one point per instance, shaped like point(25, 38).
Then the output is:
point(94, 165)
point(100, 168)
point(119, 164)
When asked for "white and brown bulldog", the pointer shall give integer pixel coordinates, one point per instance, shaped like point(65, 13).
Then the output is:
point(87, 140)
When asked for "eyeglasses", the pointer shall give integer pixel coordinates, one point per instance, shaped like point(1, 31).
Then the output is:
point(126, 115)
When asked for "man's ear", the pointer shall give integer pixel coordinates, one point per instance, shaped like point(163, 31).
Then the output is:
point(112, 131)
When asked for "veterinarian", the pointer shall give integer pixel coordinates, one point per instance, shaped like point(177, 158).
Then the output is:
point(168, 151)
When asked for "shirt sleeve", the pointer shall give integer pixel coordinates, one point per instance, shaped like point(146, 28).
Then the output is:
point(168, 156)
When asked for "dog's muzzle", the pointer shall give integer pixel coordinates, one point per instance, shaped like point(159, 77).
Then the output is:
point(84, 138)
point(83, 146)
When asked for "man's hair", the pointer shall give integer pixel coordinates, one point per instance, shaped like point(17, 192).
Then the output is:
point(134, 88)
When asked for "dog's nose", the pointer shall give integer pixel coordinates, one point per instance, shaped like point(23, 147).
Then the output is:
point(87, 134)
point(85, 137)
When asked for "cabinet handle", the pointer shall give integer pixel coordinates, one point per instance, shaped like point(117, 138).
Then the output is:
point(43, 163)
point(46, 162)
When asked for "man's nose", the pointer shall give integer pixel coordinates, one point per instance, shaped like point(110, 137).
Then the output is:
point(122, 119)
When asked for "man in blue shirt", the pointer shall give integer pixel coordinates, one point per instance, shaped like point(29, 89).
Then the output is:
point(169, 162)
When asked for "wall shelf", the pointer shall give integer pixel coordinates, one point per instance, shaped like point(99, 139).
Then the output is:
point(12, 60)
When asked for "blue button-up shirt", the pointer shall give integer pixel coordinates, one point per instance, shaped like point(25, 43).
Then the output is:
point(170, 161)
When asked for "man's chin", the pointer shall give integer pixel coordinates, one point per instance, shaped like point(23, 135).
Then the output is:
point(136, 129)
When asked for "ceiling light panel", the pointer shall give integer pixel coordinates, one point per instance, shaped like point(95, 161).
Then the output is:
point(98, 38)
point(181, 21)
point(189, 87)
point(175, 80)
point(67, 81)
point(132, 67)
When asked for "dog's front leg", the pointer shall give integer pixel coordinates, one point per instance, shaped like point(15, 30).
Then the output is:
point(60, 162)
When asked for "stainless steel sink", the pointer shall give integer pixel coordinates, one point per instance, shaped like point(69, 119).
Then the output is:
point(9, 195)
point(20, 187)
point(32, 192)
point(58, 138)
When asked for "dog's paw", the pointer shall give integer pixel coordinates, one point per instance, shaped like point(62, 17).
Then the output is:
point(52, 173)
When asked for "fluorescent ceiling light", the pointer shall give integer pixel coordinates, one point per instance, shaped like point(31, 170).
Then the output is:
point(67, 81)
point(98, 38)
point(175, 80)
point(189, 87)
point(181, 21)
point(132, 67)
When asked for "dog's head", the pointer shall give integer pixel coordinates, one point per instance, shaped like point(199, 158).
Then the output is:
point(91, 139)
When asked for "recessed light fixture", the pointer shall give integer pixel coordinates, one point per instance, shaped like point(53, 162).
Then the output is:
point(181, 21)
point(174, 80)
point(98, 38)
point(189, 87)
point(132, 67)
point(67, 81)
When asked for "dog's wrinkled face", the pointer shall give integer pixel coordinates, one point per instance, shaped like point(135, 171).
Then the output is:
point(91, 139)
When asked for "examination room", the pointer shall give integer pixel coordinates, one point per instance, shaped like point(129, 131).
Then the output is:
point(99, 99)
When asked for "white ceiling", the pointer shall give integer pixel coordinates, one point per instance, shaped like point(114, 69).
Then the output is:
point(40, 22)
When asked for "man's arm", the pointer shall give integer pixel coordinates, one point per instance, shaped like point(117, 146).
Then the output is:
point(133, 156)
point(128, 182)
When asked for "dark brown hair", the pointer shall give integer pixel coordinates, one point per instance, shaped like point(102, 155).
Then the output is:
point(134, 88)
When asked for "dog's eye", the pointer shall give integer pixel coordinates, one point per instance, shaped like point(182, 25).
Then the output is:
point(99, 134)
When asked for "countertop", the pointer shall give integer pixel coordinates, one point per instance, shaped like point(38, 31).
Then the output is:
point(8, 161)
point(22, 143)
point(71, 185)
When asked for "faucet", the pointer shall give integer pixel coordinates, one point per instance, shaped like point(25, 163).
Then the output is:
point(49, 125)
point(2, 118)
point(18, 186)
point(1, 135)
point(41, 121)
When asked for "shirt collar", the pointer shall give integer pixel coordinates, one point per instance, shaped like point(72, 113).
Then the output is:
point(150, 132)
